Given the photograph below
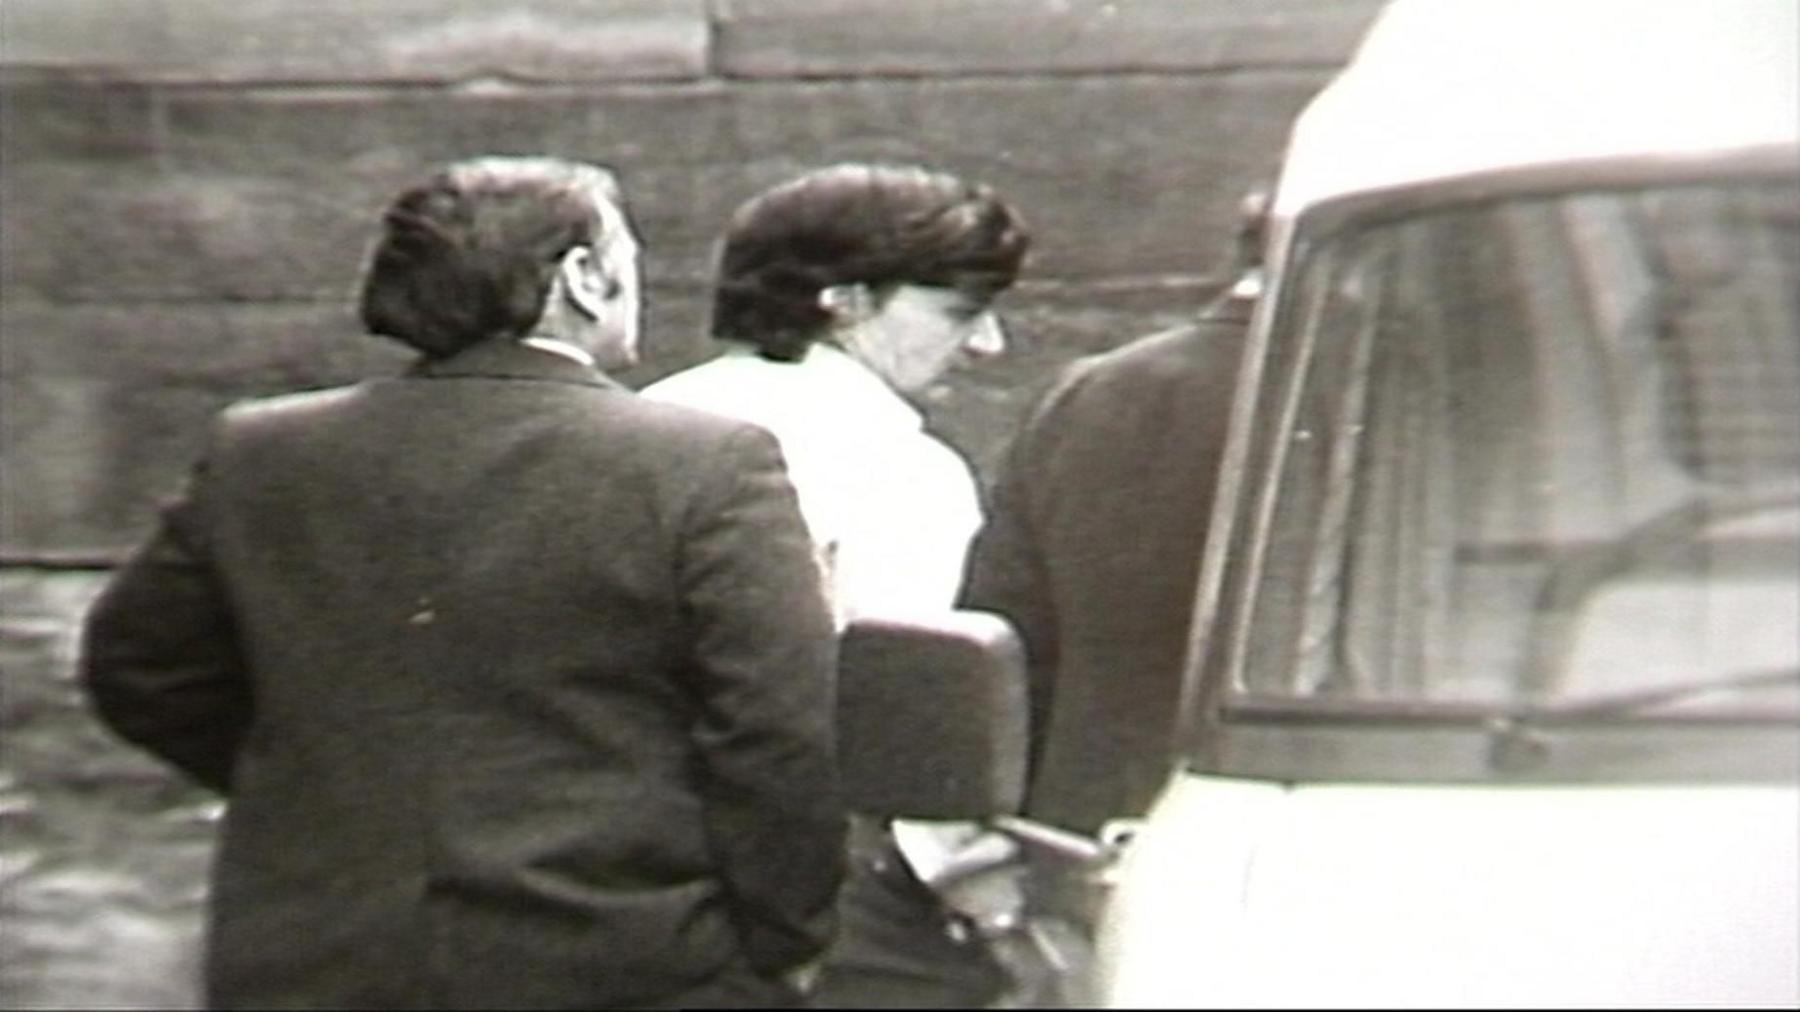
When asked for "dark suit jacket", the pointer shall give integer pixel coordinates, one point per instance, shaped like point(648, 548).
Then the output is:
point(1092, 548)
point(519, 685)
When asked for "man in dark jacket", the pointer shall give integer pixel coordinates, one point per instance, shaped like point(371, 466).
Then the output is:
point(1092, 549)
point(518, 685)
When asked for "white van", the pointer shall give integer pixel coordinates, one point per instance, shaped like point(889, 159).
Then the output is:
point(1494, 697)
point(1496, 686)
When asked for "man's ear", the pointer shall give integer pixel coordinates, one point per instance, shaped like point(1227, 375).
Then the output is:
point(586, 281)
point(847, 303)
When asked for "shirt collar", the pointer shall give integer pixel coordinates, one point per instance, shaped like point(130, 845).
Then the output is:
point(510, 358)
point(835, 369)
point(563, 348)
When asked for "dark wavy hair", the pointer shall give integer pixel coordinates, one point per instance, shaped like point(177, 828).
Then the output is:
point(880, 225)
point(471, 252)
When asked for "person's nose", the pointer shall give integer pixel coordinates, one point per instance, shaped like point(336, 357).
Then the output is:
point(988, 338)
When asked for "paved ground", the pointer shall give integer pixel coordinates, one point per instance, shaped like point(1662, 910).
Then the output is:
point(103, 853)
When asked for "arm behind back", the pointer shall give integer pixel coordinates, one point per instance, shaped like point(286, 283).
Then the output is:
point(764, 653)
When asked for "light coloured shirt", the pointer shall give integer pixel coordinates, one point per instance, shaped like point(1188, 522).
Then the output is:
point(563, 348)
point(891, 508)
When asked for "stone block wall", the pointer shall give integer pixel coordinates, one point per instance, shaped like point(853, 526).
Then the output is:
point(188, 187)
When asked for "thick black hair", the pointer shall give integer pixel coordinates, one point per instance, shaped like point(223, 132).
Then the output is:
point(879, 225)
point(471, 252)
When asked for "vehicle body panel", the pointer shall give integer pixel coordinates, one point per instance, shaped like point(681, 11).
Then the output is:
point(1590, 827)
point(1443, 896)
point(1439, 91)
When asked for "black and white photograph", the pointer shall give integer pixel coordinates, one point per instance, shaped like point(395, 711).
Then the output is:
point(978, 504)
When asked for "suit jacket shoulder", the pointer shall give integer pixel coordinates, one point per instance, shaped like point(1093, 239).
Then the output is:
point(506, 606)
point(1201, 348)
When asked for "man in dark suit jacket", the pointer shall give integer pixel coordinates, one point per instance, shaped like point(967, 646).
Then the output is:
point(1092, 548)
point(519, 686)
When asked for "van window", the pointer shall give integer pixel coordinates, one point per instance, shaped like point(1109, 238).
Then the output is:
point(1535, 447)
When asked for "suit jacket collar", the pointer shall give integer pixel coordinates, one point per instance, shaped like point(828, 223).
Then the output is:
point(505, 358)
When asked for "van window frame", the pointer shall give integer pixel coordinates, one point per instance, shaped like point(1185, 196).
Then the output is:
point(1235, 732)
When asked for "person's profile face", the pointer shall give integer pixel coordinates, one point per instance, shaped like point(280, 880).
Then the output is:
point(919, 332)
point(628, 254)
point(618, 316)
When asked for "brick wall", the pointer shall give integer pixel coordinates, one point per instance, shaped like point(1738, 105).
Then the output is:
point(188, 187)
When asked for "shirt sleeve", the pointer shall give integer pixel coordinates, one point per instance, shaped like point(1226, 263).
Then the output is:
point(160, 659)
point(904, 529)
point(764, 664)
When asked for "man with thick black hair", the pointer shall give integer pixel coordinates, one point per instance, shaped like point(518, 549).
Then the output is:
point(518, 685)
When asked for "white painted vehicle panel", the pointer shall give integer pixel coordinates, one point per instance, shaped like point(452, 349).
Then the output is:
point(1376, 847)
point(1245, 894)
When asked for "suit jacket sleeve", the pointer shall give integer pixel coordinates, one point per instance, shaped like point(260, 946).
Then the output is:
point(160, 659)
point(765, 666)
point(1007, 570)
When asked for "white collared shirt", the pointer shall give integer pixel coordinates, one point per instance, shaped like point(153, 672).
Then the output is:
point(891, 508)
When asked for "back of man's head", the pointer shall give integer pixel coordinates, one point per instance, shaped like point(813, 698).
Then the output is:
point(877, 225)
point(471, 252)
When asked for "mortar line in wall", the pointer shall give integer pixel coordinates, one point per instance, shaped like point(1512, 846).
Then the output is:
point(159, 129)
point(173, 87)
point(688, 285)
point(164, 89)
point(1033, 74)
point(1126, 282)
point(126, 300)
point(73, 562)
point(715, 18)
